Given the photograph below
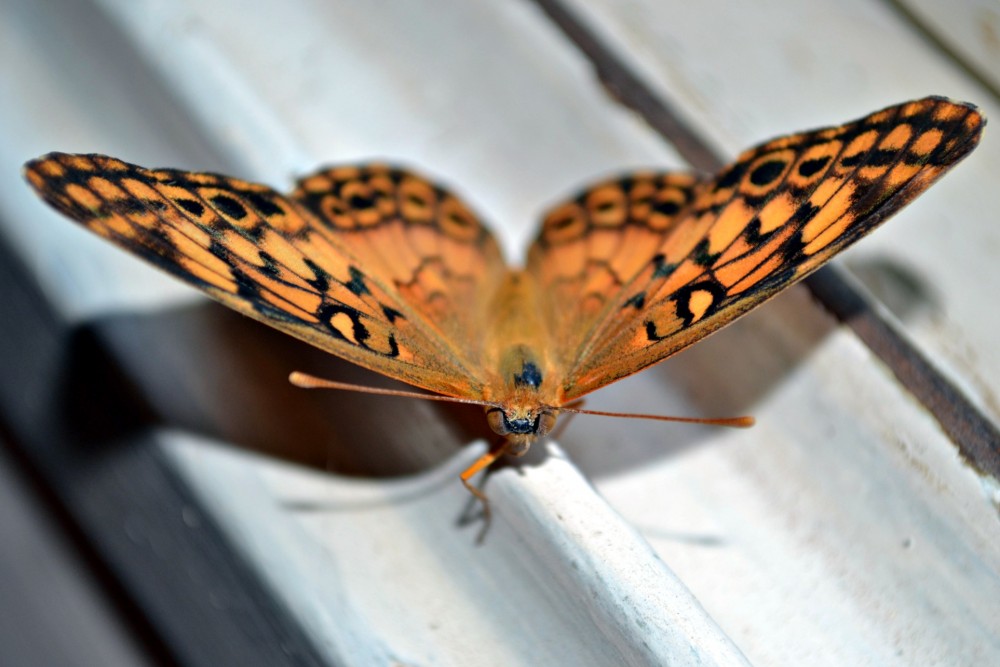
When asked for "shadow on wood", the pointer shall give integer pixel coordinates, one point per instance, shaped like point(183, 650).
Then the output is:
point(205, 369)
point(219, 374)
point(725, 375)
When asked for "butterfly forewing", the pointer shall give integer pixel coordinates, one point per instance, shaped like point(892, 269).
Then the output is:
point(274, 259)
point(774, 216)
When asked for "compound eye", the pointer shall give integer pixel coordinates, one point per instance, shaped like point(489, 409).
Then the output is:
point(495, 418)
point(546, 422)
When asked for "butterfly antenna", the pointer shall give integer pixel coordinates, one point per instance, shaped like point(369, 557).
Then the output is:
point(734, 422)
point(306, 381)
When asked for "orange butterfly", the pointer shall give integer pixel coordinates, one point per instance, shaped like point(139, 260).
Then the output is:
point(387, 270)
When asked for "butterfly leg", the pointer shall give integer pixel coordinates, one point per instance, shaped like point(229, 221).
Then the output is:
point(484, 461)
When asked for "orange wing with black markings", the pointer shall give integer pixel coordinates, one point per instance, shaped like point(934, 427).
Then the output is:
point(784, 208)
point(591, 245)
point(373, 264)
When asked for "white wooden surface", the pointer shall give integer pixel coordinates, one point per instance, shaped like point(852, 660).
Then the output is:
point(384, 572)
point(973, 32)
point(842, 530)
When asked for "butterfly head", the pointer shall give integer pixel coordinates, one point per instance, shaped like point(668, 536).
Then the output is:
point(521, 424)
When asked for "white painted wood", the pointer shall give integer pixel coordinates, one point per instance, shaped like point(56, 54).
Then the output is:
point(399, 81)
point(71, 85)
point(746, 72)
point(971, 28)
point(813, 542)
point(383, 572)
point(789, 533)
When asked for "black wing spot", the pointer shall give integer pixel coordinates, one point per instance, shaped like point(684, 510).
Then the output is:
point(813, 166)
point(130, 206)
point(701, 256)
point(360, 202)
point(418, 200)
point(562, 222)
point(661, 267)
point(637, 301)
point(220, 250)
point(269, 267)
point(730, 177)
point(768, 172)
point(360, 333)
point(652, 334)
point(249, 289)
point(682, 298)
point(392, 314)
point(459, 220)
point(667, 207)
point(230, 206)
point(321, 279)
point(854, 160)
point(806, 212)
point(265, 206)
point(883, 158)
point(357, 283)
point(393, 347)
point(191, 206)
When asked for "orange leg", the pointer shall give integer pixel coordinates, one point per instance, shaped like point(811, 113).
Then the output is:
point(482, 462)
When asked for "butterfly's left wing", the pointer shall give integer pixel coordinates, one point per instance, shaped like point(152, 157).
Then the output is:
point(373, 264)
point(777, 214)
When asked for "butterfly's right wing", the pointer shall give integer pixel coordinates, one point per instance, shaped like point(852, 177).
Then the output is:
point(372, 264)
point(769, 219)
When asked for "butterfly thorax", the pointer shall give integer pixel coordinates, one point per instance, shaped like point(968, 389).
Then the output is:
point(525, 388)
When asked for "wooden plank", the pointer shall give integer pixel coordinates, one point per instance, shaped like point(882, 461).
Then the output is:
point(813, 541)
point(395, 571)
point(968, 30)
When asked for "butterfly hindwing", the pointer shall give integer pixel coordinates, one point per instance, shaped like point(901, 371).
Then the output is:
point(441, 261)
point(587, 249)
point(775, 215)
point(282, 261)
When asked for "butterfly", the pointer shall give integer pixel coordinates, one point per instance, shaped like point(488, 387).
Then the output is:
point(386, 269)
